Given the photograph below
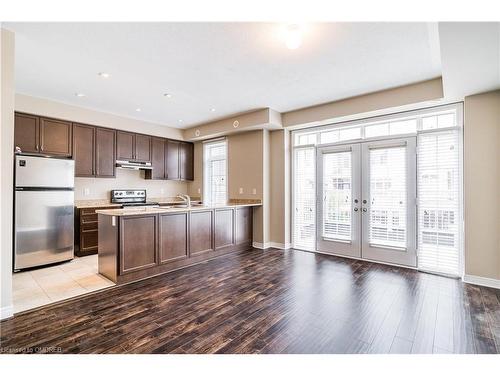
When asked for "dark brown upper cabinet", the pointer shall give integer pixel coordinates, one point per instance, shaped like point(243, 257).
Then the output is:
point(34, 134)
point(158, 160)
point(105, 144)
point(125, 145)
point(83, 150)
point(27, 133)
point(142, 147)
point(186, 161)
point(93, 151)
point(173, 172)
point(55, 137)
point(131, 146)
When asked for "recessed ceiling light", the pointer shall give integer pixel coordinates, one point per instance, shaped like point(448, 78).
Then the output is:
point(181, 120)
point(80, 95)
point(138, 109)
point(212, 109)
point(293, 36)
point(103, 75)
point(167, 95)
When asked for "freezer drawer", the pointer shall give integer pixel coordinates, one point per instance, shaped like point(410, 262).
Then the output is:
point(35, 171)
point(44, 222)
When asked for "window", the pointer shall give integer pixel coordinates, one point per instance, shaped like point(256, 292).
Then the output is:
point(215, 172)
point(304, 234)
point(439, 202)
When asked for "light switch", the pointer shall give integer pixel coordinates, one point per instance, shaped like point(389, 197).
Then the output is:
point(241, 190)
point(254, 191)
point(162, 191)
point(86, 192)
point(199, 190)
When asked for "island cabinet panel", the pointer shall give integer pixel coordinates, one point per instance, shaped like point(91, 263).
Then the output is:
point(138, 243)
point(173, 172)
point(173, 237)
point(158, 152)
point(26, 132)
point(243, 225)
point(105, 142)
point(125, 145)
point(224, 228)
point(200, 232)
point(55, 137)
point(83, 150)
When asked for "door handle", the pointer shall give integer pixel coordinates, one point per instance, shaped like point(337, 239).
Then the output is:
point(355, 209)
point(364, 210)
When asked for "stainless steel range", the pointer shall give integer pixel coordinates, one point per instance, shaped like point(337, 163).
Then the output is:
point(131, 198)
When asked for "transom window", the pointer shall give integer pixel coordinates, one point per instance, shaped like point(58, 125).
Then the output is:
point(393, 125)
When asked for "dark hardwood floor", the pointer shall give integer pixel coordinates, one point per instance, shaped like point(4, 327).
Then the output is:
point(270, 302)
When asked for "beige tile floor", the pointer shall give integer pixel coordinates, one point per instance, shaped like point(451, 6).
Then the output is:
point(50, 284)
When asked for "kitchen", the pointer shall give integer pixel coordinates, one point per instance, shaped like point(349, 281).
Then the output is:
point(123, 173)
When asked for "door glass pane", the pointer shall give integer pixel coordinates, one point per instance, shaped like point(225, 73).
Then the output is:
point(304, 231)
point(337, 181)
point(388, 196)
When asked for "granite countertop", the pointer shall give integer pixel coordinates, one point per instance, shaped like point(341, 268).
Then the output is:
point(92, 203)
point(160, 210)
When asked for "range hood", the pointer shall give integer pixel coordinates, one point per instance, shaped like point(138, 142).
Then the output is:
point(135, 165)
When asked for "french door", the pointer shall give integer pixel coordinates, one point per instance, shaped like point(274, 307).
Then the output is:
point(366, 202)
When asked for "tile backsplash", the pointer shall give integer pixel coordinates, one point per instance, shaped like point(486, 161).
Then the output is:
point(99, 188)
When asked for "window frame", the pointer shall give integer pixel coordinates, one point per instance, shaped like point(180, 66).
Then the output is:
point(367, 121)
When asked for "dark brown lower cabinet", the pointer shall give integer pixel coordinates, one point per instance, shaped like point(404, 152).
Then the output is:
point(86, 232)
point(138, 238)
point(138, 246)
point(173, 237)
point(200, 232)
point(224, 228)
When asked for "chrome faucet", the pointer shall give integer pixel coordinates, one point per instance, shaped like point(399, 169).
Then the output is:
point(185, 198)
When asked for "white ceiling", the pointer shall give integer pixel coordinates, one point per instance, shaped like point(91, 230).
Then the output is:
point(232, 67)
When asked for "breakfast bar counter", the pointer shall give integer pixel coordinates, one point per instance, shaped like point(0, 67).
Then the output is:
point(136, 243)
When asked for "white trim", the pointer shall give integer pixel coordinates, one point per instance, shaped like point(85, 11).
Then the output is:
point(6, 312)
point(260, 245)
point(281, 246)
point(483, 281)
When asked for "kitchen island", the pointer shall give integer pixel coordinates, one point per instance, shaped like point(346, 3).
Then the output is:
point(140, 243)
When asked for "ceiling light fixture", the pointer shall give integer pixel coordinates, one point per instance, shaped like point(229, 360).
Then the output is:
point(181, 120)
point(293, 36)
point(103, 75)
point(212, 109)
point(167, 95)
point(80, 95)
point(138, 109)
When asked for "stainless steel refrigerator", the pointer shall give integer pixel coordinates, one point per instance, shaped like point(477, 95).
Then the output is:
point(44, 211)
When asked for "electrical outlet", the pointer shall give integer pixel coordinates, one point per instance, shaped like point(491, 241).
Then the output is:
point(199, 190)
point(86, 192)
point(254, 191)
point(241, 190)
point(162, 191)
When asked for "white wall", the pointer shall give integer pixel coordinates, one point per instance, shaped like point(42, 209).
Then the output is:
point(6, 173)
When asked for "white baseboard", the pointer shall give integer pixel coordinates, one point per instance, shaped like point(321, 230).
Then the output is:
point(281, 246)
point(483, 281)
point(6, 312)
point(267, 245)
